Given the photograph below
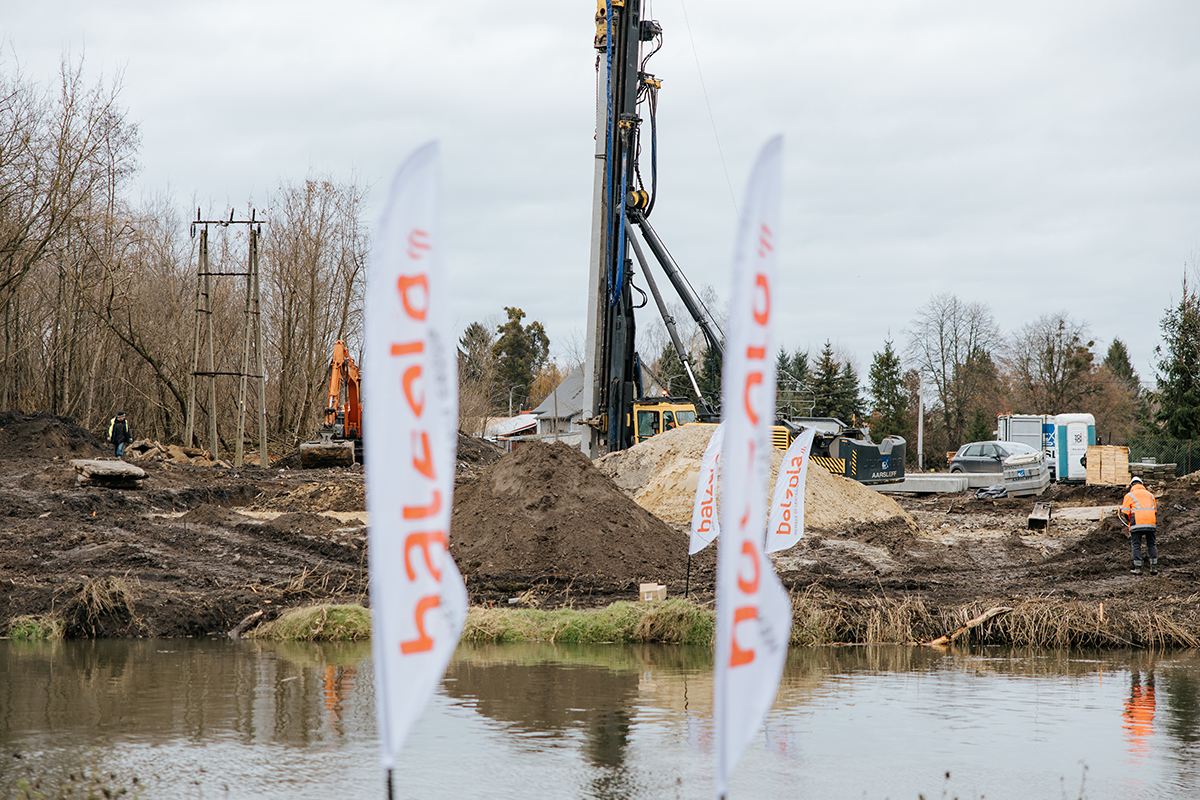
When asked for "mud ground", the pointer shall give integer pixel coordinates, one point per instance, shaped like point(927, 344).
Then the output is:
point(197, 549)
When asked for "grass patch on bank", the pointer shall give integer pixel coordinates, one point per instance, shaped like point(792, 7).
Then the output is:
point(35, 627)
point(819, 617)
point(669, 621)
point(321, 623)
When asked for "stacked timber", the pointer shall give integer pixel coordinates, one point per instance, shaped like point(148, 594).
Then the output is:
point(1107, 465)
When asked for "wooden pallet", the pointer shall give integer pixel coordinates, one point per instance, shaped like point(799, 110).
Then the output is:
point(1107, 465)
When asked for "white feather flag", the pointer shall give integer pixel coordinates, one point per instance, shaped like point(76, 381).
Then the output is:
point(787, 502)
point(705, 523)
point(410, 405)
point(753, 609)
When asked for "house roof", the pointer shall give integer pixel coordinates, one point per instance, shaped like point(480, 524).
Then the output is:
point(569, 394)
point(510, 426)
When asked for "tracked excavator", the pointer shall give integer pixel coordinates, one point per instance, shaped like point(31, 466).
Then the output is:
point(616, 410)
point(339, 440)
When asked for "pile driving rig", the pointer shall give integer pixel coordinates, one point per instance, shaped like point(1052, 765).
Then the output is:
point(622, 204)
point(620, 414)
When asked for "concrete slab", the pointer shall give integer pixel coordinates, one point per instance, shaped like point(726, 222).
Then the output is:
point(1088, 513)
point(980, 480)
point(107, 472)
point(931, 483)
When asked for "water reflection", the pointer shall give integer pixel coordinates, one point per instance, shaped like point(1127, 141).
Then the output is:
point(1139, 714)
point(195, 718)
point(534, 692)
point(104, 704)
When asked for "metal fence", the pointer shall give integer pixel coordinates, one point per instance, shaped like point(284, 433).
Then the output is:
point(1183, 453)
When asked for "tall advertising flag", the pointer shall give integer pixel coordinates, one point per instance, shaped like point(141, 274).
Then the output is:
point(786, 525)
point(410, 404)
point(705, 525)
point(754, 613)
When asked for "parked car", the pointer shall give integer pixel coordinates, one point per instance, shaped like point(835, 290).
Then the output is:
point(988, 456)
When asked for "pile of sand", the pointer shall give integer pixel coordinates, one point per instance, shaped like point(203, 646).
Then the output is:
point(660, 475)
point(545, 513)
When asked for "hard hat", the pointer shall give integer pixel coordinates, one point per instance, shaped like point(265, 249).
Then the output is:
point(1135, 479)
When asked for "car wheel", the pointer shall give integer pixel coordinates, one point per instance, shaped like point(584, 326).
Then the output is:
point(956, 468)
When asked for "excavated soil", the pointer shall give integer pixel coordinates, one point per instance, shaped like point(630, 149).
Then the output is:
point(660, 475)
point(545, 517)
point(197, 549)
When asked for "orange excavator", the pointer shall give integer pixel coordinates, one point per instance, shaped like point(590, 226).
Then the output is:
point(339, 441)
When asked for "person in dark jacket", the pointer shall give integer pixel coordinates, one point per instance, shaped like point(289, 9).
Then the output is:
point(119, 433)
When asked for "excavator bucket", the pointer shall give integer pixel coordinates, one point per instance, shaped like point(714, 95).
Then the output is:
point(327, 452)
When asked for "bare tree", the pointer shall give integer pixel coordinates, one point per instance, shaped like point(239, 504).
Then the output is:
point(478, 397)
point(64, 157)
point(313, 272)
point(1050, 361)
point(947, 335)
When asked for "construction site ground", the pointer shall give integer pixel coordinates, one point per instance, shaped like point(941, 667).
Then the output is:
point(196, 549)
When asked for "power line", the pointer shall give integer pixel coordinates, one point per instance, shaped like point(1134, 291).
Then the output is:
point(712, 120)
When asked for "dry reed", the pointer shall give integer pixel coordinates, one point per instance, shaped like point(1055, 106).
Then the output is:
point(102, 606)
point(822, 617)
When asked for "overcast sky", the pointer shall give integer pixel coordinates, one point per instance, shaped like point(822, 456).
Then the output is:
point(1034, 156)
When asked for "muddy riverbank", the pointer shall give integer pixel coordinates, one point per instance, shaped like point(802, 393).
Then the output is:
point(197, 549)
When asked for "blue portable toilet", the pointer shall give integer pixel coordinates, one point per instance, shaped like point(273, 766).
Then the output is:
point(1073, 434)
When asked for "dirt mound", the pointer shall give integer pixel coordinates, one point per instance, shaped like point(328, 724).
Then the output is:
point(213, 516)
point(44, 435)
point(316, 497)
point(474, 457)
point(660, 475)
point(545, 514)
point(1083, 495)
point(473, 450)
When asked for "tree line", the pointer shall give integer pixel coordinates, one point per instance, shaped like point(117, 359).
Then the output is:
point(98, 308)
point(953, 361)
point(98, 294)
point(956, 362)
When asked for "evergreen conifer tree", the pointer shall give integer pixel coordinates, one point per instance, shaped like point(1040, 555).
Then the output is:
point(1178, 392)
point(825, 384)
point(709, 378)
point(889, 403)
point(849, 397)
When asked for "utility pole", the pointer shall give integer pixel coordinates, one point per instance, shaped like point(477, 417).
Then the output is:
point(252, 332)
point(920, 422)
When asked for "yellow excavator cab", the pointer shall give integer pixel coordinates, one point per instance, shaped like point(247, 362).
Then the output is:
point(659, 414)
point(654, 415)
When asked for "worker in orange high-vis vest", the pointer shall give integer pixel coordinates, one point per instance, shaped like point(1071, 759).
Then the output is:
point(1139, 511)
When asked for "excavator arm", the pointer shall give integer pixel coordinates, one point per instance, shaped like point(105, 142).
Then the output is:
point(344, 386)
point(339, 441)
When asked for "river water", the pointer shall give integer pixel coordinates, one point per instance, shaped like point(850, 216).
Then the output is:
point(215, 718)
